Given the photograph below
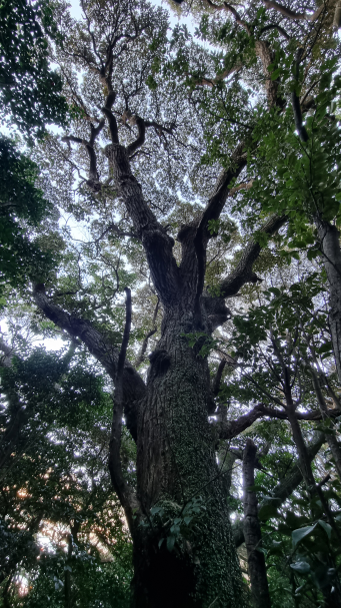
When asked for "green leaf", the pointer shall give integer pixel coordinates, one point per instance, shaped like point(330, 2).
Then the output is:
point(155, 510)
point(275, 74)
point(170, 542)
point(160, 542)
point(301, 533)
point(301, 567)
point(327, 527)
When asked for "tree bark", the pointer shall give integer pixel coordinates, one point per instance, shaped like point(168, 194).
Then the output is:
point(333, 443)
point(175, 463)
point(330, 246)
point(252, 532)
point(286, 487)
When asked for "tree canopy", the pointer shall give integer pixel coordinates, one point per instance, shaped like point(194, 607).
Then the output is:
point(176, 239)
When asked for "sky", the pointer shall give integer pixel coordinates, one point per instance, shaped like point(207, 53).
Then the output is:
point(76, 12)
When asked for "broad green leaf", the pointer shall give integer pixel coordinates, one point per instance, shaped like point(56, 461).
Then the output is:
point(327, 527)
point(301, 533)
point(301, 567)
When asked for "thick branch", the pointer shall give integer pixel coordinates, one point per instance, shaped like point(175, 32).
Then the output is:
point(150, 333)
point(100, 348)
point(243, 272)
point(212, 82)
point(139, 122)
point(275, 26)
point(157, 243)
point(212, 212)
point(108, 113)
point(125, 340)
point(233, 428)
point(93, 181)
point(217, 379)
point(289, 14)
point(296, 106)
point(229, 8)
point(313, 415)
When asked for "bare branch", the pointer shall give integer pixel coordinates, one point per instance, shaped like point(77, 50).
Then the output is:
point(233, 428)
point(139, 122)
point(313, 415)
point(93, 181)
point(212, 212)
point(289, 14)
point(218, 78)
point(110, 116)
point(275, 26)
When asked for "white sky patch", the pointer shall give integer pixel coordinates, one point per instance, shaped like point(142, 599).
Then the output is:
point(76, 13)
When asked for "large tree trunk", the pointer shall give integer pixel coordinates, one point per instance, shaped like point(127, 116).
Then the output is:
point(175, 463)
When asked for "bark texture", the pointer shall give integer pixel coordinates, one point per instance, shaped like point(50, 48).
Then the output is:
point(330, 246)
point(176, 463)
point(286, 486)
point(333, 443)
point(252, 532)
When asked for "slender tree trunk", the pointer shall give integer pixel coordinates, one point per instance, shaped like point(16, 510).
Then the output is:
point(330, 246)
point(175, 463)
point(332, 599)
point(307, 472)
point(71, 539)
point(286, 487)
point(67, 586)
point(335, 447)
point(252, 532)
point(336, 452)
point(302, 451)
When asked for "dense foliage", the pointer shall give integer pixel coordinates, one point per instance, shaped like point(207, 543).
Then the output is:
point(195, 170)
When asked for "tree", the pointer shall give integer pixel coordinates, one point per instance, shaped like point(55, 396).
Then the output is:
point(56, 486)
point(30, 94)
point(145, 141)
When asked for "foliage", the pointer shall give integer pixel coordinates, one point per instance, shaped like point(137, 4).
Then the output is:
point(29, 89)
point(217, 105)
point(22, 208)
